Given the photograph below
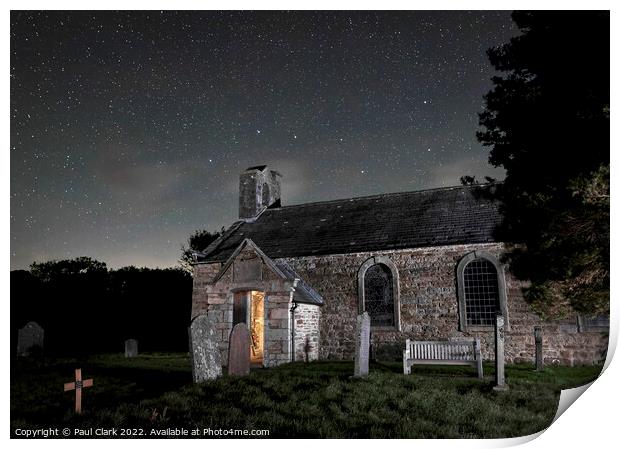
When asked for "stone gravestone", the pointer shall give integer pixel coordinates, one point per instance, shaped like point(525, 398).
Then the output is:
point(539, 348)
point(362, 345)
point(500, 380)
point(204, 352)
point(131, 348)
point(239, 351)
point(29, 339)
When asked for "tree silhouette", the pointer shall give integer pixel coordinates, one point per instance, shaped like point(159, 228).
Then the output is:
point(198, 241)
point(468, 180)
point(54, 269)
point(85, 308)
point(547, 123)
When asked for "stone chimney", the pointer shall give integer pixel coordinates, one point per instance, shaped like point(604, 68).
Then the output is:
point(259, 188)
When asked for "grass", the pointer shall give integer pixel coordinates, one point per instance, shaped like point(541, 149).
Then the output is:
point(315, 400)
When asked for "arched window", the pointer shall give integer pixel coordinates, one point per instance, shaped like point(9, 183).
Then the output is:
point(379, 292)
point(379, 296)
point(482, 292)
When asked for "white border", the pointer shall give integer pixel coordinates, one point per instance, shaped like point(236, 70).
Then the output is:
point(590, 422)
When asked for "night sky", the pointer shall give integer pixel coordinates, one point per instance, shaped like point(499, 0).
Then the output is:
point(129, 129)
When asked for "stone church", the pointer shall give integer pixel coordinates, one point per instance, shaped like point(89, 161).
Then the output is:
point(424, 265)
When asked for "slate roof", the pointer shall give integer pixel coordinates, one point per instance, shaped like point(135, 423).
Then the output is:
point(437, 217)
point(303, 292)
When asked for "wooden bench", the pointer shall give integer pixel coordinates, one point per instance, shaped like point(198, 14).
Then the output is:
point(442, 353)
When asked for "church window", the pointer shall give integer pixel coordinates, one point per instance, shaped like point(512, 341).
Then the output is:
point(378, 292)
point(379, 297)
point(481, 291)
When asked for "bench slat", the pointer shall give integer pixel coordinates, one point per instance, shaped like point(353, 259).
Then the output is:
point(443, 362)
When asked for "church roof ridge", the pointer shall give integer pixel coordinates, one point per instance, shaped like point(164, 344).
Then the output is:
point(383, 195)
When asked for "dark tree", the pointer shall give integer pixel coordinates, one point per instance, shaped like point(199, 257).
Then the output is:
point(153, 306)
point(76, 312)
point(547, 123)
point(468, 180)
point(198, 241)
point(27, 303)
point(85, 308)
point(54, 269)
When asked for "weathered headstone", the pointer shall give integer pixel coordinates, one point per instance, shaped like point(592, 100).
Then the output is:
point(239, 351)
point(29, 339)
point(131, 348)
point(205, 354)
point(500, 380)
point(539, 348)
point(362, 345)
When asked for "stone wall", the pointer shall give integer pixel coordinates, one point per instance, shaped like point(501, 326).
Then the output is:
point(429, 307)
point(277, 328)
point(307, 332)
point(203, 274)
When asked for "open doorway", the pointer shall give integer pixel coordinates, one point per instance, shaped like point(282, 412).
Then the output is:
point(249, 308)
point(257, 326)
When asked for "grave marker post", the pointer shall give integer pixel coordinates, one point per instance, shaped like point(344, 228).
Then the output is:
point(539, 348)
point(500, 379)
point(362, 345)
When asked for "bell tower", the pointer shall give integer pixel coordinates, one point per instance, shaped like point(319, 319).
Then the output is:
point(259, 188)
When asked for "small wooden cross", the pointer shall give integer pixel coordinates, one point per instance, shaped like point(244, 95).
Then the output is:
point(77, 386)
